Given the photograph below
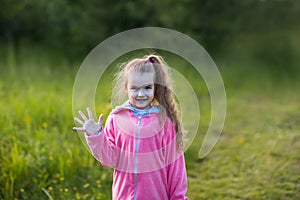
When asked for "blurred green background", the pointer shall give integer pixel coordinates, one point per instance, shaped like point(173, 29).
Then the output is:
point(254, 43)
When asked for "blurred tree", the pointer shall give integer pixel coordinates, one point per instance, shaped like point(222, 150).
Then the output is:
point(22, 19)
point(77, 26)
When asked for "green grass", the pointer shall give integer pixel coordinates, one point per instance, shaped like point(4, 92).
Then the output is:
point(257, 156)
point(41, 157)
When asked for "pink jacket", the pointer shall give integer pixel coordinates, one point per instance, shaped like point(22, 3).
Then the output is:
point(142, 151)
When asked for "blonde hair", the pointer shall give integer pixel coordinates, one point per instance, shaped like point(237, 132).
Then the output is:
point(162, 89)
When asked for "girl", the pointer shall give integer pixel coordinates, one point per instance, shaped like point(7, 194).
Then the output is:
point(142, 139)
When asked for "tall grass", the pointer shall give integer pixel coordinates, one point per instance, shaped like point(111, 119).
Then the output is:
point(257, 156)
point(41, 157)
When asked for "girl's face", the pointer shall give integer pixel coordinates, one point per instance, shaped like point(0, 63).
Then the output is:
point(140, 89)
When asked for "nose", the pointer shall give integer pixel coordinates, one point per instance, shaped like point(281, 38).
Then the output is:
point(140, 93)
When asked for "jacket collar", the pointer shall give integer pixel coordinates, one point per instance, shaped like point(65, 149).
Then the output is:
point(135, 111)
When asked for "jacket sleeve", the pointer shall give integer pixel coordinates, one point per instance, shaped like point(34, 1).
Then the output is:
point(176, 170)
point(103, 146)
point(177, 179)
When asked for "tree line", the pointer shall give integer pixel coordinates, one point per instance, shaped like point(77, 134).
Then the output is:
point(79, 25)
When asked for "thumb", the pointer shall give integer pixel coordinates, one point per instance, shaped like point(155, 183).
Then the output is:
point(100, 119)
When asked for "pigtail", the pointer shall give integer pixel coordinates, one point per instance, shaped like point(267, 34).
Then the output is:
point(164, 95)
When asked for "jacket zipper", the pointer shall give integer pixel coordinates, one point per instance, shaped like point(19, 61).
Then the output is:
point(136, 156)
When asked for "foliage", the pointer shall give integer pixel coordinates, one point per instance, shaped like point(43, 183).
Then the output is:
point(77, 26)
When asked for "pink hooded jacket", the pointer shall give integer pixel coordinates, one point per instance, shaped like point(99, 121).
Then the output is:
point(142, 150)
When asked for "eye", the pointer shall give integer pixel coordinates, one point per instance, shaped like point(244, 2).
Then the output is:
point(149, 87)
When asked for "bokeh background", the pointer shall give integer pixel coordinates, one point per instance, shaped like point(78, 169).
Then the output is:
point(254, 43)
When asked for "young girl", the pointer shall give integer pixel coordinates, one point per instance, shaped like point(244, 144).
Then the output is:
point(142, 139)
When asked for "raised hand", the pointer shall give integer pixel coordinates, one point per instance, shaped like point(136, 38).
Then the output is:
point(88, 124)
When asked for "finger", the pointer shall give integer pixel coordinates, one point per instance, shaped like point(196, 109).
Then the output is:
point(78, 129)
point(90, 113)
point(82, 115)
point(79, 121)
point(100, 119)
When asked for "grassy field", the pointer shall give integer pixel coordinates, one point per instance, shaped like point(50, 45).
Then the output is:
point(257, 156)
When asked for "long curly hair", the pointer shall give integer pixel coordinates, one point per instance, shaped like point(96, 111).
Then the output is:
point(163, 89)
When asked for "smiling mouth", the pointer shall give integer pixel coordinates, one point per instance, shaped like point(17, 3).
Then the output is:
point(141, 99)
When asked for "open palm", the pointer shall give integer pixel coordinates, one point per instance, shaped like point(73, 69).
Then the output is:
point(89, 125)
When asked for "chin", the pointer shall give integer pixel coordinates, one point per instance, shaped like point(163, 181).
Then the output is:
point(142, 107)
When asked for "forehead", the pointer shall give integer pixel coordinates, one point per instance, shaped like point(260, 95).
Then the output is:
point(140, 78)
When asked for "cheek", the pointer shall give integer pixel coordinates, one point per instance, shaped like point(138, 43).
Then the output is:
point(130, 93)
point(150, 92)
